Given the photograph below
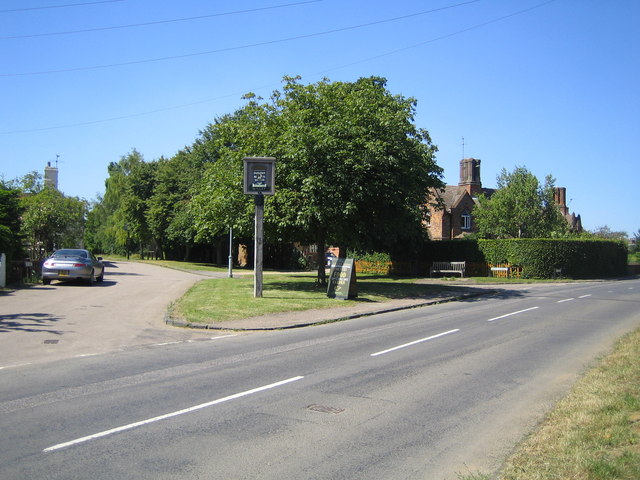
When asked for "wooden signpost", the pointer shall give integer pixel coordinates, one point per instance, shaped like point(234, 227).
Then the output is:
point(259, 180)
point(342, 279)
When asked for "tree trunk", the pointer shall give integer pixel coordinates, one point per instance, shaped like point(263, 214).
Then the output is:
point(219, 252)
point(322, 274)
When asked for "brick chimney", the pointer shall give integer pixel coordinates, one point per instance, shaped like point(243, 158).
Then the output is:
point(560, 198)
point(51, 176)
point(470, 176)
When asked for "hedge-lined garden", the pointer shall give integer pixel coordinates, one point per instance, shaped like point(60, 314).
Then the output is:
point(533, 258)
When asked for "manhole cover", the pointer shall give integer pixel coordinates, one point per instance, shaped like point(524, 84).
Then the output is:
point(325, 409)
point(51, 341)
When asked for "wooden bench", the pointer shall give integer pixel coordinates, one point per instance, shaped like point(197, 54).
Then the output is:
point(448, 267)
point(504, 270)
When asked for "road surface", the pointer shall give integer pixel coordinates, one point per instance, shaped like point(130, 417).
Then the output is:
point(423, 393)
point(56, 321)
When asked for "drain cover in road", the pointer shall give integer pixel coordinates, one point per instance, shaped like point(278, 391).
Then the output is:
point(325, 409)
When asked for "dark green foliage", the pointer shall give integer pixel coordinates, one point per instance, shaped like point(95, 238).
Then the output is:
point(352, 168)
point(52, 220)
point(539, 258)
point(10, 213)
point(521, 208)
point(452, 251)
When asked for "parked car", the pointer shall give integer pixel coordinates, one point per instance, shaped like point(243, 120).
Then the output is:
point(72, 264)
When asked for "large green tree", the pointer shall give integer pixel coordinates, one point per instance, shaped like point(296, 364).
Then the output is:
point(168, 216)
point(521, 207)
point(119, 220)
point(352, 167)
point(10, 214)
point(52, 220)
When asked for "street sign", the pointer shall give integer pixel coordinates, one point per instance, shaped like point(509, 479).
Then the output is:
point(259, 175)
point(259, 180)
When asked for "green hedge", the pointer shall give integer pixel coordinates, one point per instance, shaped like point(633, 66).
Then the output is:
point(452, 251)
point(539, 258)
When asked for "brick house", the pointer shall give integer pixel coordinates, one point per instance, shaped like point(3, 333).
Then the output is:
point(452, 218)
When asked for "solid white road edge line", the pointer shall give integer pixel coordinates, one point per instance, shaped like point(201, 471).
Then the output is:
point(414, 342)
point(170, 415)
point(15, 366)
point(512, 313)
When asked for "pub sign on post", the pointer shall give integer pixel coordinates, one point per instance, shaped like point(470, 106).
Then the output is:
point(259, 175)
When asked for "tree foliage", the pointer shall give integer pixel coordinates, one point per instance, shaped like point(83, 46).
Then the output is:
point(520, 208)
point(608, 234)
point(352, 168)
point(52, 220)
point(10, 213)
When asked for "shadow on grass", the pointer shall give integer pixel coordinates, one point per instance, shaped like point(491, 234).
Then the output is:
point(381, 286)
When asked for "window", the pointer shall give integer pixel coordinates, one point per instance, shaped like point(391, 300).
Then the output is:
point(466, 221)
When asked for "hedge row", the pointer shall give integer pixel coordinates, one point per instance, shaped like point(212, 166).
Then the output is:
point(534, 258)
point(543, 258)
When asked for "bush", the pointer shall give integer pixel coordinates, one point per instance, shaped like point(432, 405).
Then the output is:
point(376, 262)
point(540, 258)
point(535, 258)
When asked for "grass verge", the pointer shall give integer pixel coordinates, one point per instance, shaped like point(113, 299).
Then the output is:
point(593, 433)
point(224, 299)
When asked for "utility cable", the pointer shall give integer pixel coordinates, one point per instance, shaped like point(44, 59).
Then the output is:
point(176, 107)
point(158, 22)
point(24, 9)
point(239, 47)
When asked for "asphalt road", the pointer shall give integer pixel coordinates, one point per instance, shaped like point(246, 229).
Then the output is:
point(423, 393)
point(45, 323)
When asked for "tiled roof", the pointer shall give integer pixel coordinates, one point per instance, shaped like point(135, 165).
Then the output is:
point(452, 194)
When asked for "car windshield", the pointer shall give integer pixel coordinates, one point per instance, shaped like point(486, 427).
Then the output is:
point(70, 253)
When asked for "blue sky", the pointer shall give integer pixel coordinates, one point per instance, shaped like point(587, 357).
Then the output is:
point(549, 85)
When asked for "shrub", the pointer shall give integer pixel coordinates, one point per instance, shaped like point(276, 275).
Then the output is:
point(540, 258)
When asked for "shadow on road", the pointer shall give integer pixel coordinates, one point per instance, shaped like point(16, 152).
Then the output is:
point(484, 294)
point(29, 322)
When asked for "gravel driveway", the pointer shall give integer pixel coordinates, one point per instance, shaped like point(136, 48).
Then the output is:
point(46, 323)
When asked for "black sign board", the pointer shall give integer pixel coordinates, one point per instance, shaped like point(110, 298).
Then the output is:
point(259, 175)
point(342, 279)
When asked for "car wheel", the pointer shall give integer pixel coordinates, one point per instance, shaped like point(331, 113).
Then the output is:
point(101, 277)
point(46, 281)
point(92, 278)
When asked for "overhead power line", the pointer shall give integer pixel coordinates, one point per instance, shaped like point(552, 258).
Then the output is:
point(24, 9)
point(157, 22)
point(185, 105)
point(443, 37)
point(238, 47)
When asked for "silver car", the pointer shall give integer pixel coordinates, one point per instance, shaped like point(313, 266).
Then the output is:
point(72, 264)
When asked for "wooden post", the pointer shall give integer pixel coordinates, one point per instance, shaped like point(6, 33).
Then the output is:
point(230, 252)
point(257, 252)
point(259, 180)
